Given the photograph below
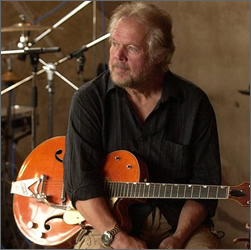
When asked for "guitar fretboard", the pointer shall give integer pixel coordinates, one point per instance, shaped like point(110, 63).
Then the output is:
point(162, 190)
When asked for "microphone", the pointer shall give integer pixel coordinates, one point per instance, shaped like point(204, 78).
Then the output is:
point(41, 50)
point(78, 52)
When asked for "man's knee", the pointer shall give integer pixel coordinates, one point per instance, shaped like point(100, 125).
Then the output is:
point(202, 238)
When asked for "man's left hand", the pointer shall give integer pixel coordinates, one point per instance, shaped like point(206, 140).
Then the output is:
point(170, 243)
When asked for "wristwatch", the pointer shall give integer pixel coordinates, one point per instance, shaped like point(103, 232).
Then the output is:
point(108, 236)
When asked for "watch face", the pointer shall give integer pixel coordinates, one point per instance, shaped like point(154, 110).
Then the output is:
point(107, 238)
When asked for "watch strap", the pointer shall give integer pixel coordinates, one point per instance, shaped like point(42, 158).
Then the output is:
point(115, 230)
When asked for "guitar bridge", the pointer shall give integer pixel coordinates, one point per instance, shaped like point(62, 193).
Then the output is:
point(23, 188)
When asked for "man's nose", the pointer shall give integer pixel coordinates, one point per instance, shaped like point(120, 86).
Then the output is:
point(120, 54)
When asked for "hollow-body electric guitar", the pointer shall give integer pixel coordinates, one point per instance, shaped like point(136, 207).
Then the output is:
point(44, 213)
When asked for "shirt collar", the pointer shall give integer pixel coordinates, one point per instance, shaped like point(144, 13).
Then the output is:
point(171, 88)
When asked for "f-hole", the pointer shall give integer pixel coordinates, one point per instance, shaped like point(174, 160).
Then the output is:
point(58, 152)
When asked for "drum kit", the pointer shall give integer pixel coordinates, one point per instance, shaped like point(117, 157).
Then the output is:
point(22, 119)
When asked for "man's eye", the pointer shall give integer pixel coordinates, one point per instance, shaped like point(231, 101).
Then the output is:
point(114, 44)
point(133, 49)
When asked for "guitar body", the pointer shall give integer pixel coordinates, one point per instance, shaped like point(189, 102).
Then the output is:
point(40, 223)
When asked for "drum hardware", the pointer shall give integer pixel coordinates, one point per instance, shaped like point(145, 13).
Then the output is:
point(9, 77)
point(34, 53)
point(34, 59)
point(20, 121)
point(23, 26)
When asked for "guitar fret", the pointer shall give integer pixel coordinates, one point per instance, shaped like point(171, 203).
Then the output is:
point(192, 191)
point(196, 191)
point(189, 189)
point(120, 189)
point(131, 190)
point(152, 189)
point(181, 193)
point(212, 192)
point(110, 190)
point(165, 190)
point(169, 190)
point(159, 190)
point(223, 192)
point(156, 190)
point(204, 191)
point(134, 187)
point(127, 188)
point(144, 191)
point(174, 190)
point(162, 191)
point(199, 191)
point(208, 192)
point(148, 186)
point(136, 193)
point(117, 189)
point(141, 190)
point(124, 190)
point(114, 193)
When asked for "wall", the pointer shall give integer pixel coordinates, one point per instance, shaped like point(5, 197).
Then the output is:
point(212, 50)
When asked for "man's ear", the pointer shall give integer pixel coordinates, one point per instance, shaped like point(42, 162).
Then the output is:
point(160, 56)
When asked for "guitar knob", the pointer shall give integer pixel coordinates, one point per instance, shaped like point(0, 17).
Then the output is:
point(31, 225)
point(117, 158)
point(41, 235)
point(128, 166)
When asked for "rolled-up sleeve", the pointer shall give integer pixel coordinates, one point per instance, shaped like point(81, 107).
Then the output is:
point(83, 177)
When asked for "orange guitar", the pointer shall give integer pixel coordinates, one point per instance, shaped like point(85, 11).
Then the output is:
point(44, 214)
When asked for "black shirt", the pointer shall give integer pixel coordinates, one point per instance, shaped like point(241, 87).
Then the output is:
point(178, 140)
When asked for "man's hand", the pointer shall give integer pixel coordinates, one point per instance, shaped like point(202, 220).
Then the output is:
point(171, 243)
point(124, 241)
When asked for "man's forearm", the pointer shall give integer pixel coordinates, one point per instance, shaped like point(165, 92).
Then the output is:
point(191, 217)
point(97, 214)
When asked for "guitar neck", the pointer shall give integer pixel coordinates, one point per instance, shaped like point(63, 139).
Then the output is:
point(163, 190)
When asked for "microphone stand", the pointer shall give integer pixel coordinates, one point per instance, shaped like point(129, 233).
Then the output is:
point(50, 68)
point(34, 62)
point(66, 58)
point(81, 61)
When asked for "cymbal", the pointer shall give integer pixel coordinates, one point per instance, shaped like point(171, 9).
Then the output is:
point(9, 76)
point(24, 27)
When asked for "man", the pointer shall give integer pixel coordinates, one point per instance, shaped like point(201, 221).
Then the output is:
point(140, 106)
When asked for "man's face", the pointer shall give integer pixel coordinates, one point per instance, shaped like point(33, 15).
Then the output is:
point(129, 58)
